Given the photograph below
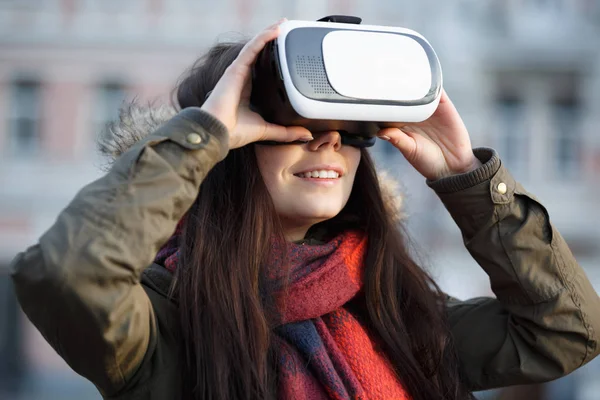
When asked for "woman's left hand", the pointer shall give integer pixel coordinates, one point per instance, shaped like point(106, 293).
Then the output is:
point(437, 147)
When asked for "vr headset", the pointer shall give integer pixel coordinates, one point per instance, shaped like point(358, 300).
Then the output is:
point(336, 74)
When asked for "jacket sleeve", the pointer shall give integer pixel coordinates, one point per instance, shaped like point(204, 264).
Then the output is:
point(545, 320)
point(80, 284)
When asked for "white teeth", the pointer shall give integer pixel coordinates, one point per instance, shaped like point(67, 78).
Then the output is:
point(322, 174)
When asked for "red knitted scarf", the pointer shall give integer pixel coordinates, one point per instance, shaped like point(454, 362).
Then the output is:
point(325, 353)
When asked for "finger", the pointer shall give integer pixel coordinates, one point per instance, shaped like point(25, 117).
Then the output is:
point(237, 75)
point(250, 51)
point(400, 140)
point(444, 97)
point(282, 133)
point(281, 21)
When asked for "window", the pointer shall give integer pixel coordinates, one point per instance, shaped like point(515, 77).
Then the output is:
point(497, 16)
point(591, 9)
point(112, 5)
point(23, 4)
point(110, 98)
point(567, 143)
point(24, 119)
point(340, 7)
point(513, 141)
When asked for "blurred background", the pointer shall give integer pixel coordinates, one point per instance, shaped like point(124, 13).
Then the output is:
point(524, 74)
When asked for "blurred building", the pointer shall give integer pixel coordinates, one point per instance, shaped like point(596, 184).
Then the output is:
point(525, 75)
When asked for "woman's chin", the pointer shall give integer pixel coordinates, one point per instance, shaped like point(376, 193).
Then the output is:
point(317, 213)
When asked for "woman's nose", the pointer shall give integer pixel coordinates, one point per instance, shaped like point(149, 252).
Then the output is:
point(323, 140)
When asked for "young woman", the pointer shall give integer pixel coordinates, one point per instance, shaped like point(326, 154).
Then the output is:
point(279, 271)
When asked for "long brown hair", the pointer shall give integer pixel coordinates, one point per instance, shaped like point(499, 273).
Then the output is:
point(228, 352)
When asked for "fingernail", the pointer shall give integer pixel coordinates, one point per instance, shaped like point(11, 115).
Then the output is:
point(384, 137)
point(307, 138)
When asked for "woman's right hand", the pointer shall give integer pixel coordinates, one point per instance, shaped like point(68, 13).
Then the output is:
point(229, 101)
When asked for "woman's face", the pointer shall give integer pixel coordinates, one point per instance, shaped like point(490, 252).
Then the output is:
point(310, 182)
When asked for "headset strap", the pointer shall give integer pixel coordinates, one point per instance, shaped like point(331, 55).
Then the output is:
point(343, 19)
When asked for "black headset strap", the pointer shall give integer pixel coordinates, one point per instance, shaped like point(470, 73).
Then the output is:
point(349, 140)
point(343, 19)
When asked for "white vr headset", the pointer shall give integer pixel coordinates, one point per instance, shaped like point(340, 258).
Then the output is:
point(335, 74)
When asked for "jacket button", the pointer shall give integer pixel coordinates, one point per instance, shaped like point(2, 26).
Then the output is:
point(501, 188)
point(194, 138)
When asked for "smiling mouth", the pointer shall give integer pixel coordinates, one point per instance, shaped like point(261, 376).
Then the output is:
point(321, 174)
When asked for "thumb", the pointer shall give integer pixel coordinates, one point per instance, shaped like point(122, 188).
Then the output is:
point(282, 133)
point(402, 141)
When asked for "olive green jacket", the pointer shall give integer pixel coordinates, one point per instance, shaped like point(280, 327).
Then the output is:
point(91, 289)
